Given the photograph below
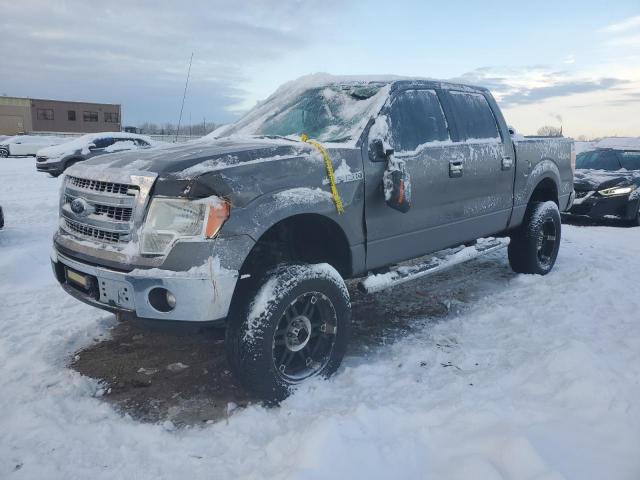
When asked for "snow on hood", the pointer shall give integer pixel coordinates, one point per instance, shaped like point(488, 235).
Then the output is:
point(586, 179)
point(82, 143)
point(191, 159)
point(620, 143)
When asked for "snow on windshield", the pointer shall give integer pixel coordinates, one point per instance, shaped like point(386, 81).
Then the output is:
point(324, 109)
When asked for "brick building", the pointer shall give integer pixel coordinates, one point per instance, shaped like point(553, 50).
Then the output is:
point(25, 115)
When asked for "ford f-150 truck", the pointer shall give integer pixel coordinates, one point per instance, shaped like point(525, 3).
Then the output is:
point(257, 226)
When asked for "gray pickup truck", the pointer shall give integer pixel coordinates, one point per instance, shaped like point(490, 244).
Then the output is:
point(256, 226)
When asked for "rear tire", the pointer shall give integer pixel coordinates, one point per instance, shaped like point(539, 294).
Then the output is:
point(296, 325)
point(534, 246)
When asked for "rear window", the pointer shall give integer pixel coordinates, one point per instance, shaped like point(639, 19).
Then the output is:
point(103, 142)
point(474, 117)
point(417, 118)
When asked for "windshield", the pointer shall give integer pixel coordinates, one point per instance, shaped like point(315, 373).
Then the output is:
point(334, 113)
point(609, 160)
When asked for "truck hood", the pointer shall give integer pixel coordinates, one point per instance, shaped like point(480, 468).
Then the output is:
point(587, 180)
point(191, 159)
point(233, 167)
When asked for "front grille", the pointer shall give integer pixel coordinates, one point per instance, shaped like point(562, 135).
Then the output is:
point(116, 213)
point(103, 187)
point(106, 213)
point(88, 231)
point(120, 214)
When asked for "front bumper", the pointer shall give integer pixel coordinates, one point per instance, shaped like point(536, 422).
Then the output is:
point(596, 206)
point(202, 294)
point(50, 166)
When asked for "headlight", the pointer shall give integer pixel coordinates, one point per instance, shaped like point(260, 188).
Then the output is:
point(171, 218)
point(610, 192)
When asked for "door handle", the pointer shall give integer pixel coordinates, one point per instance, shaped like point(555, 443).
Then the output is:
point(456, 168)
point(507, 163)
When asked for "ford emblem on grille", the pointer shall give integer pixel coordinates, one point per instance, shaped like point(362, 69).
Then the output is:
point(80, 207)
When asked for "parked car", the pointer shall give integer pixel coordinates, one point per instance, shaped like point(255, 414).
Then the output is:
point(54, 160)
point(607, 181)
point(257, 226)
point(27, 145)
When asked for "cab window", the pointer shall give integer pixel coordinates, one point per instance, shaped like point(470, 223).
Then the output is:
point(417, 118)
point(474, 118)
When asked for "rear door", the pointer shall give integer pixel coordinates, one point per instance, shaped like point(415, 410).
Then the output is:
point(487, 155)
point(417, 129)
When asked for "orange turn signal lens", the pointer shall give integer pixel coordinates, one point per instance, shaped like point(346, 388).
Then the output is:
point(218, 214)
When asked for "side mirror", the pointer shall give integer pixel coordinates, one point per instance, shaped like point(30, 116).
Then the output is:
point(92, 146)
point(377, 152)
point(397, 186)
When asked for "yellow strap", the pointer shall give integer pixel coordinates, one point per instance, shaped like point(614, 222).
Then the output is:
point(329, 166)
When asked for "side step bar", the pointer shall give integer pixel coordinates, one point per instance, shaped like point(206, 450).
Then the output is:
point(376, 282)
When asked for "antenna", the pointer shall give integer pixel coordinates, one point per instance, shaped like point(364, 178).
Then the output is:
point(184, 95)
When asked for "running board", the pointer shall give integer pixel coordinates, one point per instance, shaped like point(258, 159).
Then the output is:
point(483, 246)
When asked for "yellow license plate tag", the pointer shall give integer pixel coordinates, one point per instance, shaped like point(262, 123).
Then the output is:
point(77, 278)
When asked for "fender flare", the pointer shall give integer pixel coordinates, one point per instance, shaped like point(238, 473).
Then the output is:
point(545, 169)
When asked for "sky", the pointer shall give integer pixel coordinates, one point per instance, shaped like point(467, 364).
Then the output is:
point(574, 64)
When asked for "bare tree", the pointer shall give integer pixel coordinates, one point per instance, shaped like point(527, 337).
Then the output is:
point(197, 129)
point(550, 131)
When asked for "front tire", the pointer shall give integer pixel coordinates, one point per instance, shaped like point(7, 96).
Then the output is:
point(295, 326)
point(534, 246)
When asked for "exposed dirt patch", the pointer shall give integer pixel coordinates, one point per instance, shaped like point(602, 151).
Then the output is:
point(185, 379)
point(157, 376)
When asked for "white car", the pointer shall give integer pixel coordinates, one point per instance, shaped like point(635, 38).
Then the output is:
point(54, 160)
point(28, 145)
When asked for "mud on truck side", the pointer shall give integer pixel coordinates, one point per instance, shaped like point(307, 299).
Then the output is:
point(256, 228)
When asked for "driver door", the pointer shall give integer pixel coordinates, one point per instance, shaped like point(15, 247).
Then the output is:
point(418, 131)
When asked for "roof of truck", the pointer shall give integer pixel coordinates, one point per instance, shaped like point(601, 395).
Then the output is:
point(318, 80)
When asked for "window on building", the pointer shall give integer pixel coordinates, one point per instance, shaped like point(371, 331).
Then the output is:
point(111, 117)
point(44, 114)
point(71, 115)
point(90, 116)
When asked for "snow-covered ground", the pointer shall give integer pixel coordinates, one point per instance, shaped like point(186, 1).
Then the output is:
point(526, 378)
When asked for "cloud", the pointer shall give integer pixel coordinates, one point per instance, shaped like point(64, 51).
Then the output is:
point(630, 23)
point(625, 33)
point(526, 85)
point(137, 53)
point(562, 89)
point(625, 41)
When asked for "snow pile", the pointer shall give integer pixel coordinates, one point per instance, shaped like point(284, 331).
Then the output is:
point(527, 377)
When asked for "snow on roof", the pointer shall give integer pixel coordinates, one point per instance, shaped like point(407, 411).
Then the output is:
point(82, 143)
point(620, 143)
point(289, 92)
